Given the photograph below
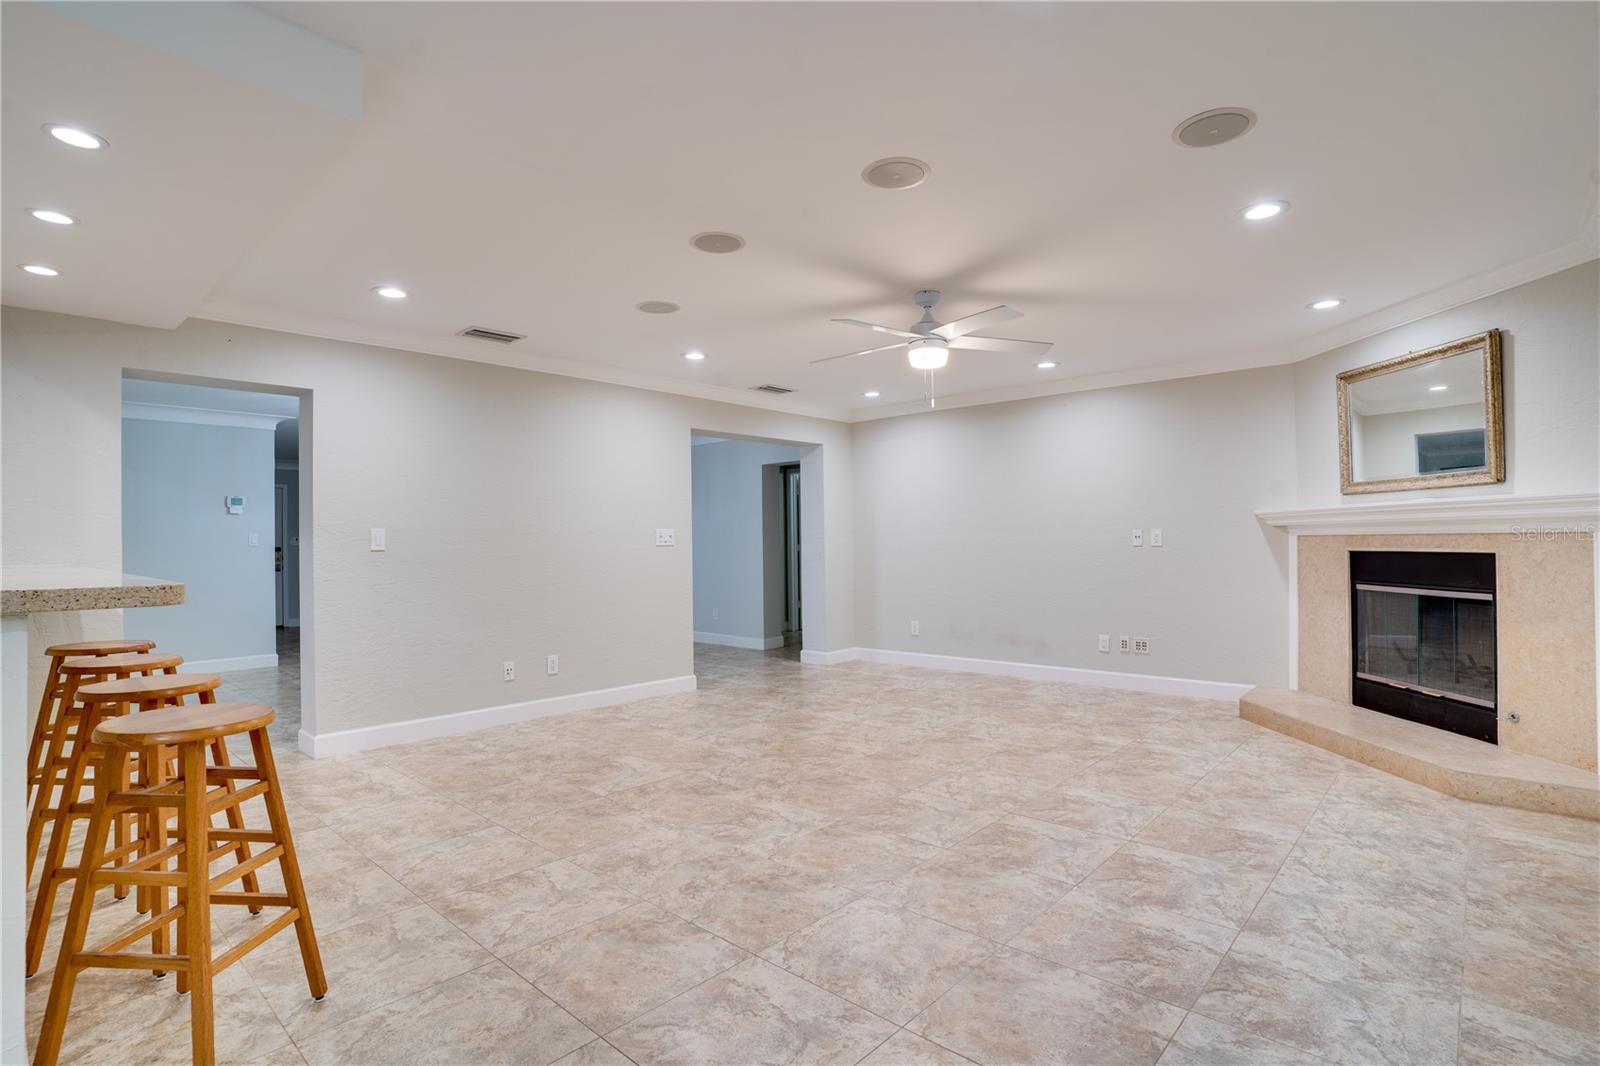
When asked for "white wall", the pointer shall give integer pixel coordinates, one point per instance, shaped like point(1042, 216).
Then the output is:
point(505, 540)
point(1550, 346)
point(1005, 530)
point(174, 478)
point(731, 553)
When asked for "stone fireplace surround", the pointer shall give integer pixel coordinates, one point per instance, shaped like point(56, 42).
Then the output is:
point(1545, 564)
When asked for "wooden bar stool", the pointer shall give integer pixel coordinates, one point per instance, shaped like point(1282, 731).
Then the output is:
point(50, 703)
point(71, 674)
point(194, 795)
point(96, 703)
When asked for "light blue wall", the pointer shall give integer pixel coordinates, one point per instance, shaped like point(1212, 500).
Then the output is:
point(730, 553)
point(174, 525)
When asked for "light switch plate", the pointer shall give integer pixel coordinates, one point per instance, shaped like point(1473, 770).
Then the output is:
point(552, 665)
point(1105, 642)
point(380, 540)
point(255, 540)
point(666, 538)
point(1138, 538)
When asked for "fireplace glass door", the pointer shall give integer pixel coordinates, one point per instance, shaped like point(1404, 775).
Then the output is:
point(1435, 646)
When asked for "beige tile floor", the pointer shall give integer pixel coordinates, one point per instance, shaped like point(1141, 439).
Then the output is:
point(278, 688)
point(892, 866)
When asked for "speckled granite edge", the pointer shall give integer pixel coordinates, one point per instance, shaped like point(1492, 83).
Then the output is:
point(1430, 757)
point(91, 598)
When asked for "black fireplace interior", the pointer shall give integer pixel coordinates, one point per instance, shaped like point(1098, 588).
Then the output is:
point(1423, 638)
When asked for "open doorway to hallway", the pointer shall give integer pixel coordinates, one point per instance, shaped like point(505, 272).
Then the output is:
point(211, 497)
point(750, 553)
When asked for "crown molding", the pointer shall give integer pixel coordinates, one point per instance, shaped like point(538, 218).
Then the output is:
point(200, 416)
point(1457, 294)
point(240, 314)
point(1471, 514)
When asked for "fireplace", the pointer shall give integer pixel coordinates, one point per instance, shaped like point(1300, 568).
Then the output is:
point(1423, 638)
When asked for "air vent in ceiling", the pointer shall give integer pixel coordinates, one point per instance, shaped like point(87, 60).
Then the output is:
point(776, 389)
point(498, 336)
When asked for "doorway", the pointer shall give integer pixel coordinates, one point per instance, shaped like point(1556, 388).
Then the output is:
point(211, 496)
point(755, 550)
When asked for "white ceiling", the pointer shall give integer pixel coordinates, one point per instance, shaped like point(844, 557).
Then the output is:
point(540, 168)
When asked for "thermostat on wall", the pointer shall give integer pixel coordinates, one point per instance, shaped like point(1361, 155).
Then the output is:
point(235, 504)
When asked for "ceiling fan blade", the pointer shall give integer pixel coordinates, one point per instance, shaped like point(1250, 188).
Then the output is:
point(1002, 344)
point(879, 329)
point(864, 351)
point(973, 323)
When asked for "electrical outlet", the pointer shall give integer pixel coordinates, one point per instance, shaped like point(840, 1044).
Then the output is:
point(552, 664)
point(1138, 538)
point(508, 671)
point(1105, 642)
point(916, 629)
point(380, 540)
point(666, 538)
point(1155, 536)
point(1141, 645)
point(1124, 644)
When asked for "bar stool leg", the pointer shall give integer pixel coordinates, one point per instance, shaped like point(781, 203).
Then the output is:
point(65, 978)
point(52, 691)
point(56, 756)
point(56, 852)
point(197, 904)
point(278, 819)
point(153, 828)
point(235, 817)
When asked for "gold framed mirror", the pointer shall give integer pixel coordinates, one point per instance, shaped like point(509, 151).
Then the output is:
point(1430, 419)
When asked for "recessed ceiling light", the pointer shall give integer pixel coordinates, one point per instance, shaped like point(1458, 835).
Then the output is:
point(657, 307)
point(1437, 388)
point(871, 394)
point(52, 216)
point(40, 269)
point(74, 136)
point(717, 243)
point(694, 357)
point(390, 292)
point(896, 172)
point(1048, 364)
point(1211, 128)
point(1326, 304)
point(1264, 210)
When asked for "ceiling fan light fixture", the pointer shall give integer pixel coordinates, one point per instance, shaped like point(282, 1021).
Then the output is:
point(928, 353)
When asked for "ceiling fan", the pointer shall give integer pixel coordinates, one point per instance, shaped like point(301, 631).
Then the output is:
point(928, 343)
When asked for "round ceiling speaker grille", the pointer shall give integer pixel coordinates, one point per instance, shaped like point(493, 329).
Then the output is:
point(1211, 128)
point(658, 307)
point(718, 243)
point(896, 173)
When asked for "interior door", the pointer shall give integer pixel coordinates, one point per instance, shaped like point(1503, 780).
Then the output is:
point(791, 533)
point(280, 525)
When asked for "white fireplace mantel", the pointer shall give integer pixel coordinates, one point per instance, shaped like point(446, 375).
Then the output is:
point(1477, 514)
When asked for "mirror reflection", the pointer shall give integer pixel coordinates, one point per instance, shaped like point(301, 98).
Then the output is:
point(1418, 420)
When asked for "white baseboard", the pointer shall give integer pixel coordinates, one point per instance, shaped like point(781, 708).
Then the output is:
point(828, 658)
point(731, 641)
point(344, 741)
point(1169, 686)
point(242, 662)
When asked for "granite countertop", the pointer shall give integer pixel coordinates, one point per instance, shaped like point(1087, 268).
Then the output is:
point(32, 589)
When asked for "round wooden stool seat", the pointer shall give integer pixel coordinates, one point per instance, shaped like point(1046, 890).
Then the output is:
point(149, 689)
point(98, 647)
point(139, 662)
point(184, 725)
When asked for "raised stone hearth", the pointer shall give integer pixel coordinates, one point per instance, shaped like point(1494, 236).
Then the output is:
point(1455, 765)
